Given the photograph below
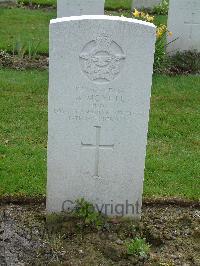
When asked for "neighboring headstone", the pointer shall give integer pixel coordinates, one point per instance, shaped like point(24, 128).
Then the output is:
point(184, 23)
point(8, 1)
point(99, 99)
point(67, 8)
point(148, 4)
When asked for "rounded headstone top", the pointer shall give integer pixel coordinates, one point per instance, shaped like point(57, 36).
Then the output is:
point(102, 17)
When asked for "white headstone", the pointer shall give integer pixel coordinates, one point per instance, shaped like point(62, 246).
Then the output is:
point(184, 23)
point(67, 8)
point(8, 1)
point(149, 4)
point(99, 99)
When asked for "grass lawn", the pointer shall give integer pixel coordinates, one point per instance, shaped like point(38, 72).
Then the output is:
point(109, 4)
point(23, 26)
point(19, 27)
point(172, 165)
point(117, 4)
point(23, 131)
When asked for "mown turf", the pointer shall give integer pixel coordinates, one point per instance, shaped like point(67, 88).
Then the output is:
point(109, 4)
point(118, 4)
point(19, 27)
point(24, 28)
point(172, 165)
point(38, 2)
point(23, 131)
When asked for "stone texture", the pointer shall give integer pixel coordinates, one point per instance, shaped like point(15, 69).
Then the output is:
point(8, 1)
point(184, 23)
point(67, 8)
point(138, 4)
point(99, 99)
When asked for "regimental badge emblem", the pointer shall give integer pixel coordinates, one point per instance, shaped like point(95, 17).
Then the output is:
point(102, 59)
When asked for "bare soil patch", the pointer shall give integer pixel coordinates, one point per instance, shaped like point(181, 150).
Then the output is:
point(7, 60)
point(27, 239)
point(27, 6)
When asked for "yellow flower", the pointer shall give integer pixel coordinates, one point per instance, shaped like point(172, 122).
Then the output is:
point(158, 34)
point(170, 33)
point(149, 18)
point(163, 27)
point(136, 14)
point(160, 31)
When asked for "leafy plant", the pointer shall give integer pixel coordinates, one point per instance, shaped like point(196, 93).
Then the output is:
point(20, 49)
point(37, 2)
point(162, 8)
point(33, 49)
point(88, 214)
point(161, 31)
point(139, 247)
point(160, 58)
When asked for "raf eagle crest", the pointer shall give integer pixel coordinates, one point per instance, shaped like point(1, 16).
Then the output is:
point(101, 59)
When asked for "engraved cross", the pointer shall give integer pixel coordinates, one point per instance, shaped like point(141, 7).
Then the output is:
point(97, 146)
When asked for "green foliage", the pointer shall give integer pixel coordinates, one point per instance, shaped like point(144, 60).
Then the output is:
point(173, 150)
point(161, 31)
point(88, 214)
point(24, 26)
point(160, 59)
point(109, 4)
point(139, 247)
point(162, 8)
point(21, 49)
point(37, 2)
point(23, 132)
point(118, 4)
point(33, 49)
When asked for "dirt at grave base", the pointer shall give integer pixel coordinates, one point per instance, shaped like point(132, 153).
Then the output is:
point(25, 238)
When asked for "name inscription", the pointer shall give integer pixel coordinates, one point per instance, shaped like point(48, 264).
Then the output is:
point(98, 105)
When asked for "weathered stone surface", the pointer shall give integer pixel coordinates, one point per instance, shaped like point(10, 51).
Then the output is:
point(67, 8)
point(8, 1)
point(138, 4)
point(99, 99)
point(184, 23)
